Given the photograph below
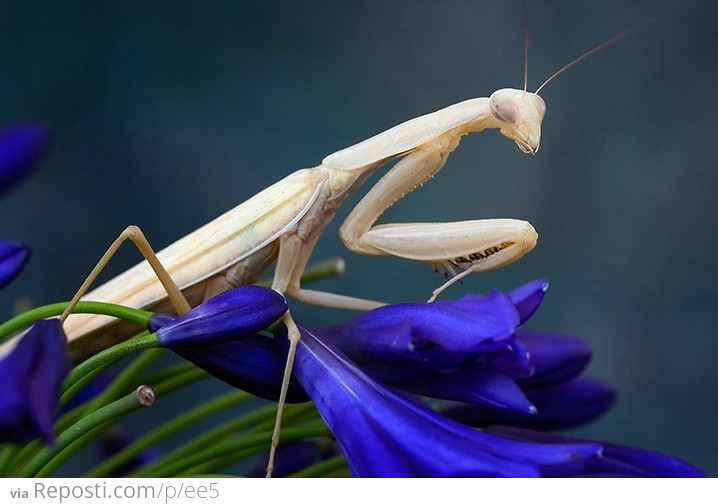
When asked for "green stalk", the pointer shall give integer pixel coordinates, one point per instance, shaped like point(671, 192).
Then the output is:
point(109, 356)
point(192, 375)
point(319, 271)
point(237, 444)
point(125, 380)
point(257, 420)
point(165, 372)
point(25, 319)
point(208, 438)
point(220, 463)
point(212, 475)
point(167, 429)
point(7, 455)
point(51, 457)
point(78, 378)
point(321, 468)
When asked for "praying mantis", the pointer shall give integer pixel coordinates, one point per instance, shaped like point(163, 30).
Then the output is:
point(282, 224)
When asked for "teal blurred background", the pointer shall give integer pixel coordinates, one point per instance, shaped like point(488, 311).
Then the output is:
point(166, 114)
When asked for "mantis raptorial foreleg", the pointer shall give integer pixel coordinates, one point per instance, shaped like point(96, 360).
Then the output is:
point(477, 245)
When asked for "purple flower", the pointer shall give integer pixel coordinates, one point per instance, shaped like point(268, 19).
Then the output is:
point(13, 257)
point(616, 460)
point(231, 315)
point(254, 363)
point(21, 148)
point(383, 434)
point(567, 405)
point(518, 378)
point(462, 350)
point(490, 372)
point(528, 297)
point(31, 375)
point(561, 399)
point(220, 337)
point(428, 337)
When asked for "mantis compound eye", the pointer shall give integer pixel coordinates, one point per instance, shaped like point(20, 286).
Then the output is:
point(504, 109)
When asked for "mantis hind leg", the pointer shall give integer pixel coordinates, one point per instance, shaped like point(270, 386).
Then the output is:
point(136, 236)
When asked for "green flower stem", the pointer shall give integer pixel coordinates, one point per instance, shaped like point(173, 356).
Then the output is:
point(319, 271)
point(165, 372)
point(321, 468)
point(7, 454)
point(51, 457)
point(208, 438)
point(25, 319)
point(295, 413)
point(167, 429)
point(213, 475)
point(125, 380)
point(106, 358)
point(192, 375)
point(219, 463)
point(249, 420)
point(237, 444)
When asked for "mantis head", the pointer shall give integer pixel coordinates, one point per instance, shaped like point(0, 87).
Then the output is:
point(519, 115)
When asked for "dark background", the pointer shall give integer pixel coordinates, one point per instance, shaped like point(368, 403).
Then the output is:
point(166, 114)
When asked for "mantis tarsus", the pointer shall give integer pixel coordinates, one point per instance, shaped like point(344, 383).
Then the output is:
point(283, 222)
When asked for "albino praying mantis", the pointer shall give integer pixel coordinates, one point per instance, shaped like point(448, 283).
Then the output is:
point(283, 223)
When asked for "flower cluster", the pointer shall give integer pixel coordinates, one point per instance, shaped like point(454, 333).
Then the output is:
point(468, 355)
point(367, 378)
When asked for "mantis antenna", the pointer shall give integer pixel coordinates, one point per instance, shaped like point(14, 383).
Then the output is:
point(591, 52)
point(526, 46)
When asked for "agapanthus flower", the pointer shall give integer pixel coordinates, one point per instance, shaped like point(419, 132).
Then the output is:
point(220, 336)
point(463, 350)
point(13, 258)
point(227, 316)
point(616, 460)
point(460, 350)
point(358, 373)
point(253, 363)
point(561, 397)
point(31, 374)
point(21, 148)
point(385, 434)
